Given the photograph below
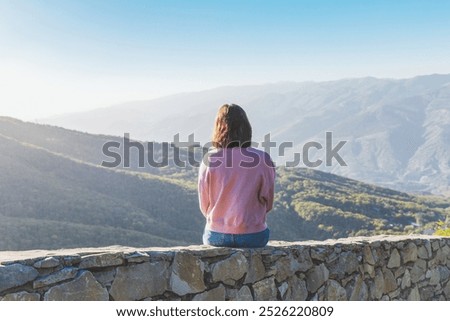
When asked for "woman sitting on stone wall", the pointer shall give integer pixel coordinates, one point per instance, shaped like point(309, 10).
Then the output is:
point(235, 184)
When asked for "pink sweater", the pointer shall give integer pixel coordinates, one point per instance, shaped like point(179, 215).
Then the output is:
point(236, 190)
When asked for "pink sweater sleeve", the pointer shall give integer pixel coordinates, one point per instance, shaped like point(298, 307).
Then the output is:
point(266, 192)
point(203, 189)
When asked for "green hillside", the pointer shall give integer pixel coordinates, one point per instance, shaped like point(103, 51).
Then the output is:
point(50, 201)
point(88, 148)
point(333, 206)
point(54, 193)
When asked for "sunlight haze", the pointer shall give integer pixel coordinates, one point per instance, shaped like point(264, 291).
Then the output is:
point(67, 56)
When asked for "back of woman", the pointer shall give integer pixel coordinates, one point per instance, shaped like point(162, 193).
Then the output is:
point(236, 184)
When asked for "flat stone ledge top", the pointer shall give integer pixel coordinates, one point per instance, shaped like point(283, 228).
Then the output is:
point(15, 256)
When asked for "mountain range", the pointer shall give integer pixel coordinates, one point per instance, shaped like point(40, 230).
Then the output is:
point(397, 131)
point(55, 193)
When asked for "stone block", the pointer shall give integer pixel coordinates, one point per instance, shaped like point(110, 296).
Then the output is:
point(304, 260)
point(137, 257)
point(390, 284)
point(320, 253)
point(335, 292)
point(368, 255)
point(414, 295)
point(216, 294)
point(426, 293)
point(447, 291)
point(422, 252)
point(282, 289)
point(444, 273)
point(378, 289)
point(315, 277)
point(348, 263)
point(71, 260)
point(140, 281)
point(359, 291)
point(418, 271)
point(435, 245)
point(406, 280)
point(369, 270)
point(394, 259)
point(399, 272)
point(434, 275)
point(49, 262)
point(84, 288)
point(15, 275)
point(101, 260)
point(409, 253)
point(296, 290)
point(229, 270)
point(265, 290)
point(187, 274)
point(67, 273)
point(21, 296)
point(394, 294)
point(285, 267)
point(427, 245)
point(243, 294)
point(105, 277)
point(256, 270)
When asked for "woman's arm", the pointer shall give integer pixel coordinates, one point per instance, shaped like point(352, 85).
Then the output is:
point(203, 188)
point(267, 189)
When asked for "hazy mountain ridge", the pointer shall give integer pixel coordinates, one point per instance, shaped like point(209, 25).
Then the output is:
point(54, 193)
point(397, 130)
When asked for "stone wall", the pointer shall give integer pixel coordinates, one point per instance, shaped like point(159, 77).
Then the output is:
point(377, 268)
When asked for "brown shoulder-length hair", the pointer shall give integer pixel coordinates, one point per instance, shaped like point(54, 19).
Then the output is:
point(232, 128)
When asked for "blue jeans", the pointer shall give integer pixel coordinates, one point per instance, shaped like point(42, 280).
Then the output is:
point(259, 239)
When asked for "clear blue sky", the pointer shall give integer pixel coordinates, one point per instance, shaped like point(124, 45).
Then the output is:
point(58, 56)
